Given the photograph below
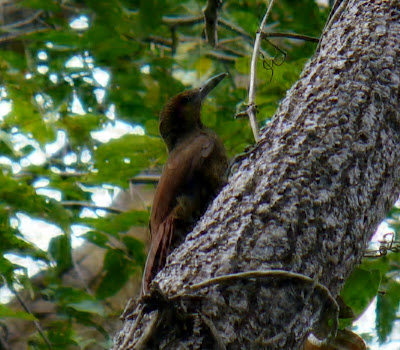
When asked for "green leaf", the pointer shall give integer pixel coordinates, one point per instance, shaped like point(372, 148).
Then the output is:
point(116, 224)
point(360, 289)
point(9, 313)
point(60, 250)
point(6, 270)
point(117, 270)
point(13, 59)
point(386, 307)
point(76, 303)
point(89, 306)
point(60, 334)
point(136, 249)
point(382, 264)
point(97, 238)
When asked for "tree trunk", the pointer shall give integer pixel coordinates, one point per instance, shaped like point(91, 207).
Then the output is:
point(261, 269)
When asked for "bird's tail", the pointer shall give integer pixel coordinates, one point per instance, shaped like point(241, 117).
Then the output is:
point(159, 250)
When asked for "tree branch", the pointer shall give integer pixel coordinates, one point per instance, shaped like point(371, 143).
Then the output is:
point(306, 200)
point(251, 110)
point(265, 35)
point(11, 26)
point(211, 21)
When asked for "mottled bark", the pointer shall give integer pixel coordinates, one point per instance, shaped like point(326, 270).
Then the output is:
point(306, 200)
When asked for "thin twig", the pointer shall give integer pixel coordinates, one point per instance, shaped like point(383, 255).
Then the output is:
point(258, 274)
point(183, 21)
point(335, 6)
point(71, 8)
point(251, 109)
point(91, 205)
point(230, 40)
point(179, 21)
point(158, 40)
point(231, 51)
point(261, 274)
point(221, 56)
point(16, 35)
point(313, 39)
point(145, 178)
point(234, 28)
point(19, 24)
point(58, 173)
point(35, 322)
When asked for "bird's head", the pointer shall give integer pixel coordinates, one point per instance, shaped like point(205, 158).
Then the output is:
point(181, 114)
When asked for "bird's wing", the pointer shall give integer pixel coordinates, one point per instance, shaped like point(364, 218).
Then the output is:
point(181, 165)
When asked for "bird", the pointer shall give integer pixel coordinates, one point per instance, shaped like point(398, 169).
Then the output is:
point(192, 176)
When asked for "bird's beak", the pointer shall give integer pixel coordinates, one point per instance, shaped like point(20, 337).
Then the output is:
point(210, 84)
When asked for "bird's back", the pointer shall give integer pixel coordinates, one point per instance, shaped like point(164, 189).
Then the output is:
point(193, 175)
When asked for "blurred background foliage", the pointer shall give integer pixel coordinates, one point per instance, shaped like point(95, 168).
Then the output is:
point(81, 86)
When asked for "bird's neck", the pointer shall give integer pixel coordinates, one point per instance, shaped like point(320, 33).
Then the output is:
point(175, 133)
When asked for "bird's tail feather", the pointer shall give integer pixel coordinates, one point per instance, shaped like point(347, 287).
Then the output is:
point(159, 250)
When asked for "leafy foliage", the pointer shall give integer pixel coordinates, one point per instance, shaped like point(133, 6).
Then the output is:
point(6, 312)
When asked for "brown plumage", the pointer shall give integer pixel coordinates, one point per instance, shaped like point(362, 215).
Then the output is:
point(192, 176)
